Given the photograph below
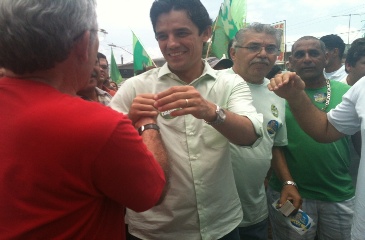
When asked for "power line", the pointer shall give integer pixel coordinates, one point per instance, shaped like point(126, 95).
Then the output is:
point(349, 15)
point(307, 22)
point(355, 31)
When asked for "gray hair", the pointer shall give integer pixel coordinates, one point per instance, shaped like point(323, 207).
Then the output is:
point(35, 35)
point(258, 28)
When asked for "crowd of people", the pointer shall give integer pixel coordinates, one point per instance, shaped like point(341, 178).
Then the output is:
point(195, 149)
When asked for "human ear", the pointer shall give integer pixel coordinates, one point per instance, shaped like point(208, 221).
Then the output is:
point(207, 33)
point(81, 47)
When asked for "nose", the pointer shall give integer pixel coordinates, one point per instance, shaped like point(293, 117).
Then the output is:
point(171, 41)
point(307, 57)
point(262, 52)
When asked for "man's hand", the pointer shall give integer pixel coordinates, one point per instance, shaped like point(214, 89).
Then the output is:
point(287, 85)
point(289, 192)
point(142, 107)
point(187, 100)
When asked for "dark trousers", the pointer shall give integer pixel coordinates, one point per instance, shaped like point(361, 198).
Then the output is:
point(258, 231)
point(234, 235)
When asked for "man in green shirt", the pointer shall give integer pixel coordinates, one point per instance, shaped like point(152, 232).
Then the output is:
point(319, 171)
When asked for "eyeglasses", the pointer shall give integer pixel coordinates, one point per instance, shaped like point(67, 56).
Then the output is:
point(82, 33)
point(258, 49)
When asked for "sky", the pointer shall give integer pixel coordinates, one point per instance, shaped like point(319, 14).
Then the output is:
point(302, 17)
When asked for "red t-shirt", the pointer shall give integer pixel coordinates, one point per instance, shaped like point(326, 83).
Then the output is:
point(68, 167)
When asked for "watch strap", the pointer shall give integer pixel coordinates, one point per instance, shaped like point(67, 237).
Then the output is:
point(290, 183)
point(148, 126)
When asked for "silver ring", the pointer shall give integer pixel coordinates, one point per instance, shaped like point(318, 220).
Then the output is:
point(187, 102)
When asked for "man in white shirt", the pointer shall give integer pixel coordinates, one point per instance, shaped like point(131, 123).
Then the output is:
point(335, 47)
point(254, 52)
point(355, 62)
point(199, 111)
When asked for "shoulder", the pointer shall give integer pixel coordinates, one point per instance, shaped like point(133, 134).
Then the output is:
point(149, 75)
point(339, 87)
point(89, 113)
point(358, 89)
point(228, 76)
point(140, 82)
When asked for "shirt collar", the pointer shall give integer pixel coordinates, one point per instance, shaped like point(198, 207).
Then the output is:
point(208, 71)
point(101, 92)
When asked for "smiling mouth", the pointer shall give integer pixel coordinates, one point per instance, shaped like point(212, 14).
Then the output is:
point(175, 54)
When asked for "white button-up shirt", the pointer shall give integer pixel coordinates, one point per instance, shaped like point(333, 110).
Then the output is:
point(202, 201)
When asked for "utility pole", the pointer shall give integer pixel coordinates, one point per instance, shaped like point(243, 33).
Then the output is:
point(349, 15)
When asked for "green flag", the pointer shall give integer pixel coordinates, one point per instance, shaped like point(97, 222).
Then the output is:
point(140, 57)
point(114, 71)
point(229, 21)
point(220, 39)
point(238, 12)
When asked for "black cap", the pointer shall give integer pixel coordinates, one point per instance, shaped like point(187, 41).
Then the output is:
point(217, 63)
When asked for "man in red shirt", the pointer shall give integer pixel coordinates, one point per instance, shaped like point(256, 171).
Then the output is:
point(68, 167)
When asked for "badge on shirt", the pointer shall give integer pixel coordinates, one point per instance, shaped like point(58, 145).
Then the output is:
point(320, 97)
point(272, 126)
point(167, 115)
point(274, 110)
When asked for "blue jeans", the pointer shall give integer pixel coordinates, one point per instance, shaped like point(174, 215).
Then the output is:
point(258, 231)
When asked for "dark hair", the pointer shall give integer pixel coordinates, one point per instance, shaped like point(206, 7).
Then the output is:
point(355, 52)
point(322, 45)
point(333, 41)
point(274, 70)
point(116, 84)
point(100, 55)
point(195, 10)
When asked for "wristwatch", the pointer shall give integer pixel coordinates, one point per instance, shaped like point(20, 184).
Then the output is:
point(290, 183)
point(221, 116)
point(148, 126)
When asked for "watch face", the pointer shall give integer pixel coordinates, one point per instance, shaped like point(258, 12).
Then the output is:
point(221, 113)
point(221, 116)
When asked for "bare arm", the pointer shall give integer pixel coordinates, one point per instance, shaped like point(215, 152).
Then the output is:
point(237, 129)
point(154, 143)
point(288, 192)
point(141, 113)
point(291, 87)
